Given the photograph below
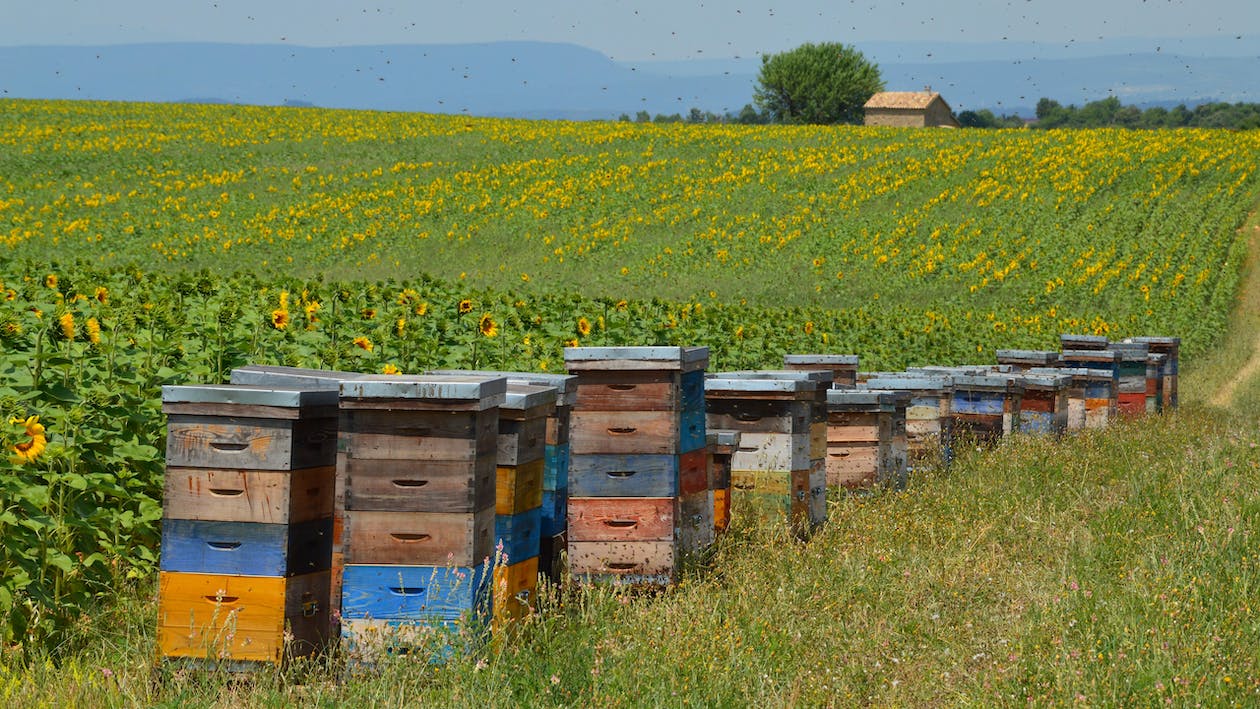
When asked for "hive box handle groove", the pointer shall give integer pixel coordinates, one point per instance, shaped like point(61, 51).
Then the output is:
point(620, 473)
point(410, 483)
point(410, 537)
point(226, 492)
point(224, 546)
point(406, 590)
point(621, 387)
point(745, 416)
point(622, 566)
point(622, 523)
point(229, 446)
point(841, 454)
point(223, 599)
point(621, 430)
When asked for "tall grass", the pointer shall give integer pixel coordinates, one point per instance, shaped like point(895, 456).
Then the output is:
point(1115, 567)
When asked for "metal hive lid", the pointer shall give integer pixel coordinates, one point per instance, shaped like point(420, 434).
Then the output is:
point(295, 377)
point(489, 391)
point(832, 360)
point(248, 395)
point(564, 384)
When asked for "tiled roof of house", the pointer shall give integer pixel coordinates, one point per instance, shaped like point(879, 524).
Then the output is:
point(902, 99)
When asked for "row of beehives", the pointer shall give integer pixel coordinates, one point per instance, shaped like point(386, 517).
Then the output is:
point(383, 509)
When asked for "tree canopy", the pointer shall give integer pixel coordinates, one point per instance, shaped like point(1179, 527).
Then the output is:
point(816, 83)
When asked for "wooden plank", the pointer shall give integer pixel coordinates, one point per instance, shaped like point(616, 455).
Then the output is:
point(629, 391)
point(558, 427)
point(416, 592)
point(517, 536)
point(250, 443)
point(686, 359)
point(267, 497)
point(612, 519)
point(414, 391)
point(522, 441)
point(387, 485)
point(288, 401)
point(248, 548)
point(624, 475)
point(419, 538)
point(242, 618)
point(859, 434)
point(410, 446)
point(470, 425)
point(818, 494)
point(855, 466)
point(721, 510)
point(518, 487)
point(625, 432)
point(625, 562)
point(515, 591)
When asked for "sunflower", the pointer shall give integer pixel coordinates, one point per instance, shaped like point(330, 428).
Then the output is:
point(421, 309)
point(369, 313)
point(400, 326)
point(487, 326)
point(465, 306)
point(809, 327)
point(363, 343)
point(93, 331)
point(50, 280)
point(390, 369)
point(583, 326)
point(35, 442)
point(67, 325)
point(279, 319)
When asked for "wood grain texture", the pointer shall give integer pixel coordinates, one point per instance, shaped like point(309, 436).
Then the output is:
point(555, 507)
point(242, 617)
point(250, 443)
point(517, 536)
point(623, 475)
point(408, 446)
point(419, 538)
point(521, 442)
point(247, 548)
point(515, 591)
point(518, 487)
point(629, 391)
point(419, 485)
point(267, 497)
point(772, 451)
point(758, 416)
point(615, 519)
point(415, 592)
point(630, 562)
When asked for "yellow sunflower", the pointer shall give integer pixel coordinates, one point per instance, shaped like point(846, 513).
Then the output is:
point(583, 327)
point(94, 331)
point(67, 325)
point(279, 319)
point(363, 343)
point(35, 443)
point(422, 309)
point(487, 326)
point(465, 306)
point(50, 280)
point(390, 369)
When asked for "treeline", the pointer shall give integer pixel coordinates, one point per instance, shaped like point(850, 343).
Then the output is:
point(1110, 113)
point(1106, 113)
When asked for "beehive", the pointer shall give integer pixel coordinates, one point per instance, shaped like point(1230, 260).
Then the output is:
point(1083, 342)
point(778, 468)
point(1043, 408)
point(722, 446)
point(419, 455)
point(1131, 367)
point(639, 497)
point(1171, 347)
point(247, 524)
point(929, 419)
point(986, 406)
point(866, 438)
point(1023, 360)
point(843, 367)
point(1102, 391)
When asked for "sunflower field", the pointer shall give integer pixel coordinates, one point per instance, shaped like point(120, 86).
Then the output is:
point(143, 245)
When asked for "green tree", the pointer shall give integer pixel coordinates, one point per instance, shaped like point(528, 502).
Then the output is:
point(816, 83)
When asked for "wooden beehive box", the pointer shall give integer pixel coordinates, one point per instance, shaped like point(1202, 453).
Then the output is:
point(781, 418)
point(929, 419)
point(864, 431)
point(1083, 342)
point(1023, 360)
point(844, 367)
point(637, 432)
point(1043, 408)
point(1132, 370)
point(1103, 387)
point(722, 446)
point(986, 407)
point(1170, 346)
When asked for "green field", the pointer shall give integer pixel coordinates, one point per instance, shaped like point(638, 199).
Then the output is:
point(142, 245)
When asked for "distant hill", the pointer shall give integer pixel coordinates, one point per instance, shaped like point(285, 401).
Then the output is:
point(547, 80)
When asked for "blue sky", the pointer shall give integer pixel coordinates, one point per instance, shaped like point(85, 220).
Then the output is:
point(629, 30)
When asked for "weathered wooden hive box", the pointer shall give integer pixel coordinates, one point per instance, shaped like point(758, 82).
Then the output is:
point(1171, 347)
point(1083, 342)
point(1043, 409)
point(555, 487)
point(986, 406)
point(1132, 370)
point(929, 418)
point(843, 367)
point(1023, 360)
point(419, 455)
point(722, 446)
point(247, 524)
point(778, 470)
point(1103, 389)
point(639, 497)
point(1156, 363)
point(866, 438)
